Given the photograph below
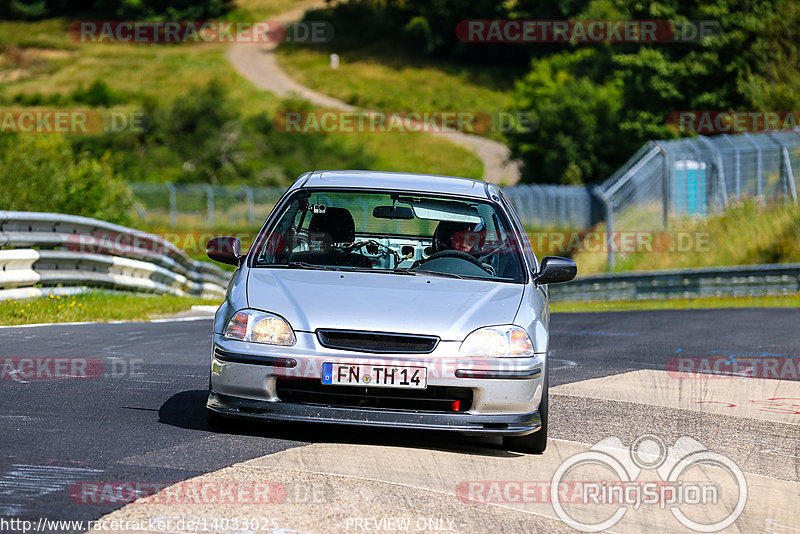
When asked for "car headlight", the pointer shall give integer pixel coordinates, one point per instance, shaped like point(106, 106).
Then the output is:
point(260, 327)
point(498, 342)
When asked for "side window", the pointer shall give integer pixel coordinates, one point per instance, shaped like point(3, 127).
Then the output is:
point(523, 236)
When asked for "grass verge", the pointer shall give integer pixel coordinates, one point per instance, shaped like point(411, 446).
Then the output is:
point(101, 306)
point(258, 10)
point(391, 82)
point(96, 306)
point(749, 232)
point(792, 301)
point(38, 62)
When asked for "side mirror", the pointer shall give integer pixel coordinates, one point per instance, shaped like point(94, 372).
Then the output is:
point(225, 250)
point(555, 270)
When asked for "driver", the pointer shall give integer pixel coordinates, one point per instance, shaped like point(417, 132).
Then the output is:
point(464, 237)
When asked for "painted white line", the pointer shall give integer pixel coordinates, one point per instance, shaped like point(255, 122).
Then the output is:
point(167, 320)
point(182, 319)
point(567, 364)
point(205, 309)
point(44, 324)
point(775, 523)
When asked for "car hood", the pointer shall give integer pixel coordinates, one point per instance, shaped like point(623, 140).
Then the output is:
point(428, 305)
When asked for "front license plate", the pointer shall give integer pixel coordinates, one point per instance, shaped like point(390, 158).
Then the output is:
point(384, 376)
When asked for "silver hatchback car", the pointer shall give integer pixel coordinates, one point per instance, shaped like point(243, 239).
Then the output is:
point(387, 299)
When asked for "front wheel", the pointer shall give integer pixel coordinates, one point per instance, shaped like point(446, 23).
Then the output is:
point(536, 442)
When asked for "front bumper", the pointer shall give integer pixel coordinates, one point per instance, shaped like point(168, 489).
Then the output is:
point(505, 391)
point(503, 425)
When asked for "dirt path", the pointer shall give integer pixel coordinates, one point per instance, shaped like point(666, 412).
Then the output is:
point(257, 63)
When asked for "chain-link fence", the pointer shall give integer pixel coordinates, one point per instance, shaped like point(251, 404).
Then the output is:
point(552, 206)
point(203, 206)
point(663, 180)
point(697, 177)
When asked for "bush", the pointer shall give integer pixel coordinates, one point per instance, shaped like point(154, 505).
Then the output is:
point(41, 173)
point(202, 137)
point(417, 27)
point(598, 102)
point(99, 94)
point(576, 139)
point(125, 9)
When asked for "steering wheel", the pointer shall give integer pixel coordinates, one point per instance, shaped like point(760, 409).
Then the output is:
point(450, 254)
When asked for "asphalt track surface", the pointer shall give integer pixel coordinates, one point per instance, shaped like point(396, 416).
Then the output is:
point(143, 420)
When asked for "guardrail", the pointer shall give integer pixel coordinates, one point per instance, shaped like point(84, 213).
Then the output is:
point(47, 249)
point(737, 281)
point(50, 250)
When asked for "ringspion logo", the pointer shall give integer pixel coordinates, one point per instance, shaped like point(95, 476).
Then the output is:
point(675, 491)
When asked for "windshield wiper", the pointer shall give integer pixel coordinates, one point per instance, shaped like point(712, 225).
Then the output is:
point(304, 265)
point(438, 273)
point(404, 270)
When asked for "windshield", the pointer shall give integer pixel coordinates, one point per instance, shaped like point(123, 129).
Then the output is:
point(396, 233)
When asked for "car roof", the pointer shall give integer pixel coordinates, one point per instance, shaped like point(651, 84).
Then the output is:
point(397, 181)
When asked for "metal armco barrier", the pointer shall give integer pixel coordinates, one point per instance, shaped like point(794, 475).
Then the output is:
point(739, 281)
point(48, 249)
point(75, 252)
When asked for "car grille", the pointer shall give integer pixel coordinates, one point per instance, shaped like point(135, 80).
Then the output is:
point(433, 399)
point(380, 342)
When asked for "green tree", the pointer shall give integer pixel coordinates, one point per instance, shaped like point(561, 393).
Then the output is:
point(203, 137)
point(41, 173)
point(575, 138)
point(125, 9)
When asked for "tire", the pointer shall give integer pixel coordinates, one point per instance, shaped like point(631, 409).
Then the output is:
point(535, 442)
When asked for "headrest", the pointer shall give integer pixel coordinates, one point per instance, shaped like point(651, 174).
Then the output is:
point(336, 222)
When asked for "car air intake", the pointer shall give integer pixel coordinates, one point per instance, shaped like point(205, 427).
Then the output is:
point(380, 342)
point(442, 399)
